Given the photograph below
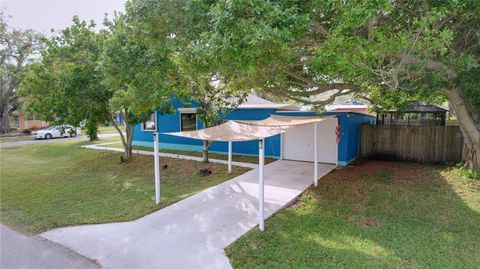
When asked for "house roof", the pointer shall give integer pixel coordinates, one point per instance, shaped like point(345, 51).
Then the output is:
point(254, 102)
point(346, 108)
point(417, 106)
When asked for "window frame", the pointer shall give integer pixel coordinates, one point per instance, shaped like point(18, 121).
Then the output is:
point(155, 123)
point(196, 120)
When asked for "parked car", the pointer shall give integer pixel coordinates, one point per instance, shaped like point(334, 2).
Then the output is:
point(56, 131)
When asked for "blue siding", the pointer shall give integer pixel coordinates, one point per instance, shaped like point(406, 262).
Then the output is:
point(171, 123)
point(348, 148)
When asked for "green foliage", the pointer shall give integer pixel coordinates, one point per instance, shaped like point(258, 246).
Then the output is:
point(464, 173)
point(386, 51)
point(91, 130)
point(135, 68)
point(65, 87)
point(17, 49)
point(469, 82)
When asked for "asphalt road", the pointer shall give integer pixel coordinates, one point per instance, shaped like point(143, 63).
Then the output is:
point(39, 141)
point(18, 251)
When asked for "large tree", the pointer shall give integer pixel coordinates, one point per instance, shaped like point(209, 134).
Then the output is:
point(215, 99)
point(65, 85)
point(16, 50)
point(85, 76)
point(385, 51)
point(197, 77)
point(137, 67)
point(169, 37)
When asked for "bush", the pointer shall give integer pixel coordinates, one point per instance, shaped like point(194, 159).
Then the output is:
point(91, 130)
point(472, 174)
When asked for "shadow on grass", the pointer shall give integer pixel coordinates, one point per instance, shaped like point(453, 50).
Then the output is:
point(372, 215)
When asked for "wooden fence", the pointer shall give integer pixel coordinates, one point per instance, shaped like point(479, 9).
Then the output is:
point(426, 144)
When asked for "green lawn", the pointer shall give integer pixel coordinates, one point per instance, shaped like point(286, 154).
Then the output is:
point(107, 129)
point(373, 215)
point(59, 184)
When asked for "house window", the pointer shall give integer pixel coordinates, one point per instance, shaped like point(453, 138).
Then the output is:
point(188, 121)
point(30, 117)
point(150, 124)
point(16, 122)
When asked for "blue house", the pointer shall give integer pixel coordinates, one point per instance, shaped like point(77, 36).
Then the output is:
point(338, 140)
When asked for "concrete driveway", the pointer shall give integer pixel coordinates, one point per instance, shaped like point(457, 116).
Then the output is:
point(193, 232)
point(18, 251)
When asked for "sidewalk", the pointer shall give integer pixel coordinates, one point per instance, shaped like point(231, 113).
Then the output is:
point(20, 251)
point(193, 232)
point(104, 146)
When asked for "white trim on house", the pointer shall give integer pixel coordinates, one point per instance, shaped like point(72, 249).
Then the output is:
point(188, 109)
point(180, 119)
point(288, 107)
point(148, 130)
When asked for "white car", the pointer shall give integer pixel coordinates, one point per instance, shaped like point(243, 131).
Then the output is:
point(55, 131)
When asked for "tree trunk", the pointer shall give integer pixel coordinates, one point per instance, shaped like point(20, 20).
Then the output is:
point(469, 119)
point(126, 141)
point(129, 149)
point(5, 121)
point(206, 145)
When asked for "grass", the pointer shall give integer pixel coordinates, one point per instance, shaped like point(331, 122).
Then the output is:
point(373, 215)
point(107, 130)
point(16, 138)
point(60, 184)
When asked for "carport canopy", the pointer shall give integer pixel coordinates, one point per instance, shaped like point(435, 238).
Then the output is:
point(245, 130)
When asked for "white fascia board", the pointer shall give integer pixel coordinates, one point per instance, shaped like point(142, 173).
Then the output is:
point(187, 109)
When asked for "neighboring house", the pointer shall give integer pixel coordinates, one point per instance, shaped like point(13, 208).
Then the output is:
point(22, 121)
point(418, 113)
point(119, 119)
point(296, 144)
point(347, 106)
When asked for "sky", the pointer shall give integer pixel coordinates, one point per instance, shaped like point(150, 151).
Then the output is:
point(43, 15)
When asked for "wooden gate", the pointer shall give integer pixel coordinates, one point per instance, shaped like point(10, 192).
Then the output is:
point(426, 144)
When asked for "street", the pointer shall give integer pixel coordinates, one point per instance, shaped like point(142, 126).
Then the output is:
point(21, 251)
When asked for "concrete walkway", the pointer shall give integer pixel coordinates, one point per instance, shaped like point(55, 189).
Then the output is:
point(18, 251)
point(193, 232)
point(104, 146)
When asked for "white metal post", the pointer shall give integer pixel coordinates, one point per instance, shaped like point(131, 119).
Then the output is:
point(261, 160)
point(315, 152)
point(229, 157)
point(157, 167)
point(282, 138)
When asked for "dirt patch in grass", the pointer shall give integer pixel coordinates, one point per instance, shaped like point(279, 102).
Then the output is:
point(367, 222)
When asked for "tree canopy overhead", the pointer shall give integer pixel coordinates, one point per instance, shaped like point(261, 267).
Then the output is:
point(65, 86)
point(311, 51)
point(388, 52)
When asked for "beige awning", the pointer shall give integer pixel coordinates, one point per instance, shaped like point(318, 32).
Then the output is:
point(249, 130)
